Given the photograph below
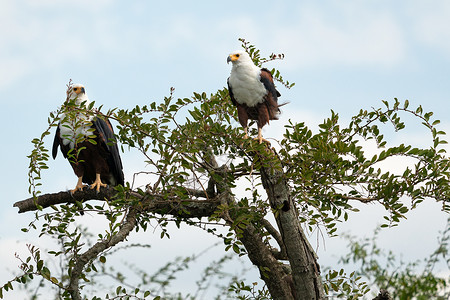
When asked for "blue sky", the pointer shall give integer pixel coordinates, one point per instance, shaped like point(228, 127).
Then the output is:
point(341, 55)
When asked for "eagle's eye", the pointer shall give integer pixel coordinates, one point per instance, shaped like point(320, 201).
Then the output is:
point(237, 55)
point(75, 89)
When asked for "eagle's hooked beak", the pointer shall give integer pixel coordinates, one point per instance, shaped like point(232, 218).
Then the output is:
point(83, 91)
point(233, 57)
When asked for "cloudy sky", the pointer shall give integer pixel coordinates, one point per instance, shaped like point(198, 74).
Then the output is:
point(342, 56)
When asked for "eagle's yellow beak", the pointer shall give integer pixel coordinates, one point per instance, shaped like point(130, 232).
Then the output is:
point(232, 57)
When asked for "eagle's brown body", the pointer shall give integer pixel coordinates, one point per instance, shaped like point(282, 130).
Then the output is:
point(95, 158)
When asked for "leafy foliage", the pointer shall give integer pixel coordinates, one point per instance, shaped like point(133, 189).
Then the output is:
point(403, 280)
point(329, 169)
point(343, 286)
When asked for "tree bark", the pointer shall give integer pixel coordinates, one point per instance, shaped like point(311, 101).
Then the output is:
point(302, 258)
point(271, 270)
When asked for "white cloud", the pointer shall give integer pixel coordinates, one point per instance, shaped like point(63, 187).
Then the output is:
point(430, 23)
point(361, 38)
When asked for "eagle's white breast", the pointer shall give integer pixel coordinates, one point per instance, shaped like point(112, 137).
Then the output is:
point(72, 129)
point(246, 84)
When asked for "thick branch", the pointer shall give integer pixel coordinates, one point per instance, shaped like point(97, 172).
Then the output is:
point(272, 272)
point(282, 255)
point(47, 200)
point(94, 251)
point(278, 281)
point(302, 258)
point(156, 203)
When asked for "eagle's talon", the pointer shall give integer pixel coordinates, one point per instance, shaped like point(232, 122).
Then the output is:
point(79, 186)
point(97, 186)
point(98, 183)
point(261, 139)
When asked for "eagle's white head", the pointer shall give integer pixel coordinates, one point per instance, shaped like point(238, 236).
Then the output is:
point(239, 57)
point(77, 91)
point(72, 126)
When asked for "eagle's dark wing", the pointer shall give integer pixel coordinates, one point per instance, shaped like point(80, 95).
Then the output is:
point(267, 80)
point(230, 91)
point(56, 142)
point(108, 140)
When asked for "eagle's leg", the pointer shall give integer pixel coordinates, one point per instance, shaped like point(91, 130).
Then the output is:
point(79, 185)
point(243, 119)
point(97, 183)
point(260, 138)
point(246, 132)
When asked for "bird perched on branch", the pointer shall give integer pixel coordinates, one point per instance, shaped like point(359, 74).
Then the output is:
point(88, 142)
point(252, 91)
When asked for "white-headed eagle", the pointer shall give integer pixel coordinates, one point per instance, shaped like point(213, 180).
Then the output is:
point(98, 161)
point(252, 91)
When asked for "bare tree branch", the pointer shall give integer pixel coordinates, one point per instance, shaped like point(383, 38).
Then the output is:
point(302, 258)
point(93, 252)
point(47, 200)
point(151, 202)
point(277, 236)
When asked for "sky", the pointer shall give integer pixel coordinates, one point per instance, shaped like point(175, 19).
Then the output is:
point(343, 56)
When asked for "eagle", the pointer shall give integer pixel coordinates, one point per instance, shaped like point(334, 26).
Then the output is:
point(88, 142)
point(252, 91)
